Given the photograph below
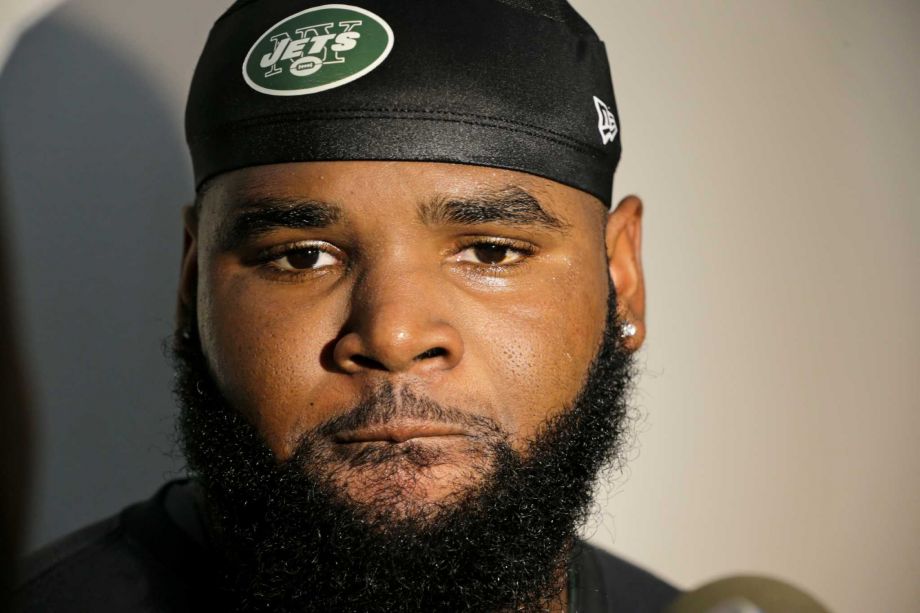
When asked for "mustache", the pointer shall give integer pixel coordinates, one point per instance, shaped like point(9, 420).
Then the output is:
point(386, 404)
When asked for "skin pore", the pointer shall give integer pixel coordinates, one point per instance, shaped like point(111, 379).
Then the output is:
point(471, 301)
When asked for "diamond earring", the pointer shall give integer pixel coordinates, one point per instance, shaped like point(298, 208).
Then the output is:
point(628, 329)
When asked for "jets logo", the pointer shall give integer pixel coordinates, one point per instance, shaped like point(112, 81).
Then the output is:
point(606, 122)
point(317, 49)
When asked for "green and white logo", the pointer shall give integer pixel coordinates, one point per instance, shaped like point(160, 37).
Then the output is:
point(317, 49)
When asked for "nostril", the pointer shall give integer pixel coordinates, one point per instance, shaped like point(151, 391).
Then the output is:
point(365, 362)
point(434, 352)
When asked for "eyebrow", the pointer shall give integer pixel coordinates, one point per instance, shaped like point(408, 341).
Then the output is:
point(511, 206)
point(259, 216)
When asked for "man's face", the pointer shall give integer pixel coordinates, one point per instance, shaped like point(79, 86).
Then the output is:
point(399, 381)
point(319, 284)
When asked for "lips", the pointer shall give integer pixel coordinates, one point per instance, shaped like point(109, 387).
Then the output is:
point(399, 432)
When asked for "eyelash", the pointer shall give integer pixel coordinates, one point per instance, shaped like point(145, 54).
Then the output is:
point(268, 258)
point(524, 250)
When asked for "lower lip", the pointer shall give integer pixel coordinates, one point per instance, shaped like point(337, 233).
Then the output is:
point(398, 433)
point(441, 445)
point(410, 439)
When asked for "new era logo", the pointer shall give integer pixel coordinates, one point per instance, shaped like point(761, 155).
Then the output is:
point(606, 123)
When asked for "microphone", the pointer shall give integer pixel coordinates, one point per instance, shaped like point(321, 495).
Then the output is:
point(747, 594)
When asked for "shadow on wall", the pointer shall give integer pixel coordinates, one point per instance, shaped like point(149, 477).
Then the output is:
point(97, 172)
point(14, 428)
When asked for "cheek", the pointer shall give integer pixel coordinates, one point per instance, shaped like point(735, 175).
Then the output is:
point(264, 345)
point(539, 348)
point(526, 350)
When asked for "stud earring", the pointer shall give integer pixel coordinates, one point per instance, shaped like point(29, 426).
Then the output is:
point(628, 329)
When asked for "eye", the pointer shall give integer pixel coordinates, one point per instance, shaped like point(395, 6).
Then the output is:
point(491, 254)
point(305, 258)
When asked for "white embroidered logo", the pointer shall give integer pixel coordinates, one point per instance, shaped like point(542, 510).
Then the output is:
point(606, 123)
point(316, 50)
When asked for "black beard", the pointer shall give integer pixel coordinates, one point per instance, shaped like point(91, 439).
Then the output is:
point(292, 540)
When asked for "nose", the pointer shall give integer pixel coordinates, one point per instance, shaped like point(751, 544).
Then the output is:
point(398, 324)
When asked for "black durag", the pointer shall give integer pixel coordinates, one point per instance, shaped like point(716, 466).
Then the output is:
point(516, 84)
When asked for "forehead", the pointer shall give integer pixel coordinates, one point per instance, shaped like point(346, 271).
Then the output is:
point(383, 188)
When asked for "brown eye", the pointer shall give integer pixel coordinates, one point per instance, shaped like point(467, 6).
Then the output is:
point(304, 259)
point(490, 253)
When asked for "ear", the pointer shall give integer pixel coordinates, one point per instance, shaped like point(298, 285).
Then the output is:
point(188, 272)
point(623, 240)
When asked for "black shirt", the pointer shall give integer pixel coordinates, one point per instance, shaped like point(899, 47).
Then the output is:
point(152, 557)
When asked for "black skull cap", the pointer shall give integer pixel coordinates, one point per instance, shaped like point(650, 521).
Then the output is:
point(516, 84)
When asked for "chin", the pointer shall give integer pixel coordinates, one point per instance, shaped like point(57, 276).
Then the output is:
point(414, 480)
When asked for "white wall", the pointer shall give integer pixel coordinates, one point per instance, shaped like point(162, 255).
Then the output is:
point(776, 146)
point(16, 16)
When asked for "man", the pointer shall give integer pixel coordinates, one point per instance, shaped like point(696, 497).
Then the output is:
point(405, 329)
